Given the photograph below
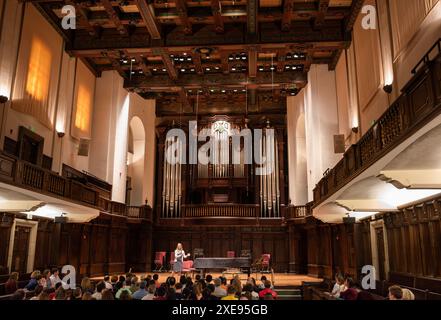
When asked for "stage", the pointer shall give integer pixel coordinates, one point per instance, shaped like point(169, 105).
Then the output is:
point(279, 279)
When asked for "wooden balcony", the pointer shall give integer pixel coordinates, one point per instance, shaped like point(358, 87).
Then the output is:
point(419, 103)
point(221, 210)
point(34, 178)
point(297, 212)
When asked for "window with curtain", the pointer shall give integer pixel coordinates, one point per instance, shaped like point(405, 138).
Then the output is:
point(38, 77)
point(37, 72)
point(83, 102)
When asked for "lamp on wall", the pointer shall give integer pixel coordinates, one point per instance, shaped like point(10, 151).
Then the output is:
point(60, 134)
point(355, 129)
point(3, 99)
point(388, 88)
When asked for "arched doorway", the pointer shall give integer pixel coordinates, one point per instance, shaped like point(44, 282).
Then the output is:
point(136, 163)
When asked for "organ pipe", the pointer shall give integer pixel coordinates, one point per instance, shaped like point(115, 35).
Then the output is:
point(269, 180)
point(172, 185)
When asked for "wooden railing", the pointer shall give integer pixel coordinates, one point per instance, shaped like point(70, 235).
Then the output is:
point(297, 212)
point(221, 210)
point(419, 103)
point(29, 176)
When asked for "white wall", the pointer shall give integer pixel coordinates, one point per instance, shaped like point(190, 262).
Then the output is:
point(321, 119)
point(108, 149)
point(145, 110)
point(297, 167)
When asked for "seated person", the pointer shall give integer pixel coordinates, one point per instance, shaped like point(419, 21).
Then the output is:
point(395, 293)
point(231, 294)
point(351, 293)
point(267, 290)
point(408, 295)
point(339, 286)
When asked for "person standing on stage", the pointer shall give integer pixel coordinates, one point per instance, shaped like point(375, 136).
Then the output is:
point(179, 259)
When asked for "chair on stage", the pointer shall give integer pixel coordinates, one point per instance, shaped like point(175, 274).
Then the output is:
point(231, 254)
point(172, 260)
point(159, 260)
point(187, 266)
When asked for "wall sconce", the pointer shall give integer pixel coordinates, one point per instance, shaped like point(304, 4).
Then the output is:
point(355, 129)
point(388, 88)
point(60, 134)
point(3, 99)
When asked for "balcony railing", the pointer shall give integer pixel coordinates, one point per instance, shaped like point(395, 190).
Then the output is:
point(221, 210)
point(29, 176)
point(298, 212)
point(419, 103)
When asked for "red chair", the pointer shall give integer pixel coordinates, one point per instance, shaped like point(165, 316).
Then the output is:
point(172, 260)
point(159, 260)
point(266, 262)
point(187, 266)
point(231, 254)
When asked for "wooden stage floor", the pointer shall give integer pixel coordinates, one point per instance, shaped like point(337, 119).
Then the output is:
point(280, 279)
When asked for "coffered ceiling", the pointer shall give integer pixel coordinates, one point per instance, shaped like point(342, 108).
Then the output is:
point(208, 56)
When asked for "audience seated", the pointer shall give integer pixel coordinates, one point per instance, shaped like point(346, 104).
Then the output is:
point(35, 277)
point(54, 278)
point(395, 293)
point(11, 285)
point(141, 292)
point(339, 286)
point(408, 295)
point(267, 290)
point(231, 293)
point(351, 293)
point(219, 292)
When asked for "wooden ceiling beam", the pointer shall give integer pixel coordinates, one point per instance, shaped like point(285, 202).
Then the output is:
point(82, 17)
point(252, 62)
point(113, 15)
point(319, 20)
point(234, 80)
point(252, 14)
point(216, 10)
point(288, 8)
point(355, 11)
point(149, 19)
point(181, 8)
point(168, 63)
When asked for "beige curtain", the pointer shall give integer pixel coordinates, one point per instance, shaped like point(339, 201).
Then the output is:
point(406, 18)
point(36, 83)
point(83, 102)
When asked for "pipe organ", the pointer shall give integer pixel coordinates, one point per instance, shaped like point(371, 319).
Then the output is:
point(268, 174)
point(228, 177)
point(172, 169)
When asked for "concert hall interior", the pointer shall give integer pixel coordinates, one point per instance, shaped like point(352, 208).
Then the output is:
point(296, 140)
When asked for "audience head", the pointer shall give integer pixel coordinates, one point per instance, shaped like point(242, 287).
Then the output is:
point(13, 276)
point(151, 288)
point(35, 274)
point(209, 278)
point(217, 282)
point(87, 296)
point(125, 295)
point(178, 286)
point(395, 293)
point(60, 294)
point(142, 285)
point(38, 289)
point(160, 292)
point(114, 279)
point(85, 284)
point(408, 295)
point(106, 294)
point(18, 295)
point(267, 284)
point(349, 282)
point(339, 278)
point(231, 290)
point(198, 277)
point(223, 280)
point(155, 277)
point(106, 278)
point(46, 273)
point(262, 278)
point(171, 281)
point(100, 286)
point(183, 280)
point(210, 287)
point(77, 293)
point(122, 279)
point(43, 296)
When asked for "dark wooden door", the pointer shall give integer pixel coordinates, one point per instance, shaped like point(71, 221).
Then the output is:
point(21, 247)
point(381, 253)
